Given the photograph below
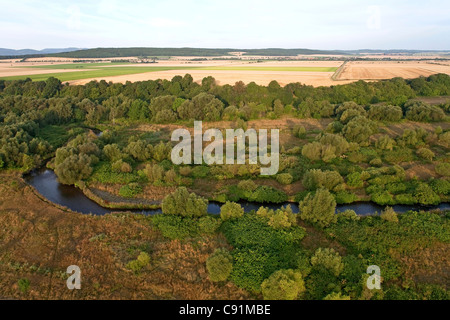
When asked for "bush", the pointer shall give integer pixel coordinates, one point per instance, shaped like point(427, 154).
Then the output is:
point(377, 162)
point(247, 185)
point(121, 167)
point(440, 186)
point(283, 285)
point(319, 208)
point(184, 204)
point(74, 168)
point(348, 215)
point(316, 151)
point(443, 169)
point(219, 265)
point(299, 132)
point(426, 154)
point(280, 219)
point(130, 191)
point(265, 194)
point(389, 214)
point(344, 197)
point(336, 296)
point(329, 259)
point(24, 285)
point(231, 210)
point(176, 227)
point(316, 178)
point(285, 178)
point(354, 180)
point(383, 198)
point(208, 225)
point(142, 261)
point(185, 171)
point(425, 195)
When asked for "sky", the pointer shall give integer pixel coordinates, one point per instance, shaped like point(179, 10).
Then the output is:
point(313, 24)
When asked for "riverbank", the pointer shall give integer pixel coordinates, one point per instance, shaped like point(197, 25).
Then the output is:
point(92, 202)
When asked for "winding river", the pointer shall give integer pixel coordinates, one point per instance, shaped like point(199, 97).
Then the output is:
point(46, 183)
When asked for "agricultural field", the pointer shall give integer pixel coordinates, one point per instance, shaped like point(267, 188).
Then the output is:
point(370, 70)
point(315, 73)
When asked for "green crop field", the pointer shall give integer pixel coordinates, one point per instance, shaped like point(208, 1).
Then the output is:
point(99, 70)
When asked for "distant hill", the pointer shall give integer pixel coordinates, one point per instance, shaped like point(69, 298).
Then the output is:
point(77, 53)
point(24, 52)
point(180, 52)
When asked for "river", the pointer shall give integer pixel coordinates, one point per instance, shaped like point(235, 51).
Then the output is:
point(46, 183)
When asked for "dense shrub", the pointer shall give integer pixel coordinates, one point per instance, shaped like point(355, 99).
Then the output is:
point(283, 285)
point(329, 259)
point(130, 191)
point(184, 204)
point(443, 169)
point(231, 210)
point(219, 265)
point(316, 178)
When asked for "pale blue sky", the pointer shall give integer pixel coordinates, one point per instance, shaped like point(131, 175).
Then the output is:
point(316, 24)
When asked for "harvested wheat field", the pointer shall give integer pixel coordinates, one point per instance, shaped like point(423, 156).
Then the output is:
point(375, 70)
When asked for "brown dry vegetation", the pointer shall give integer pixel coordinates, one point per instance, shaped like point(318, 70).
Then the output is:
point(39, 241)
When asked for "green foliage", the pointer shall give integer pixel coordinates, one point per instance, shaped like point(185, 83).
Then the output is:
point(130, 191)
point(260, 250)
point(336, 296)
point(231, 210)
point(422, 112)
point(385, 113)
point(316, 178)
point(440, 186)
point(359, 129)
point(24, 285)
point(424, 194)
point(390, 215)
point(219, 265)
point(375, 238)
point(262, 194)
point(184, 204)
point(137, 265)
point(283, 285)
point(329, 259)
point(426, 154)
point(319, 208)
point(344, 197)
point(74, 168)
point(443, 169)
point(348, 215)
point(354, 180)
point(285, 178)
point(278, 219)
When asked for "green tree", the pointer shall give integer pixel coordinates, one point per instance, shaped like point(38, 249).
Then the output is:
point(231, 210)
point(184, 204)
point(73, 169)
point(319, 208)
